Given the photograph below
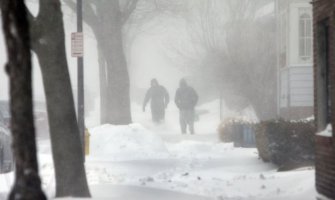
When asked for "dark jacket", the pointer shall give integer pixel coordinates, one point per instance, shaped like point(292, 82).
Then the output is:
point(186, 98)
point(159, 97)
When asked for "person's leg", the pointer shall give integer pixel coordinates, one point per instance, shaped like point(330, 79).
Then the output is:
point(182, 121)
point(161, 113)
point(191, 127)
point(154, 115)
point(190, 120)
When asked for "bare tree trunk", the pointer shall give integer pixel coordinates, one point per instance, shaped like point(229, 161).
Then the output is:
point(27, 184)
point(117, 110)
point(106, 20)
point(49, 45)
point(103, 86)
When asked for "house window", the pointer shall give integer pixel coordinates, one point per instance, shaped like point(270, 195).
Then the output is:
point(322, 70)
point(305, 34)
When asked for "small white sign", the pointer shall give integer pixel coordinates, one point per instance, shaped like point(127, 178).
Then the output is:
point(77, 44)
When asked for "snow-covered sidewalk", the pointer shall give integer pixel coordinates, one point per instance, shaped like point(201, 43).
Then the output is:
point(150, 162)
point(131, 162)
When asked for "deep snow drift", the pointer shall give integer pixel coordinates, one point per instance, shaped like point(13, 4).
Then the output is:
point(156, 162)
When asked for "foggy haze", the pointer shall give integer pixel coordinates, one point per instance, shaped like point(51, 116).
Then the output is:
point(161, 44)
point(182, 99)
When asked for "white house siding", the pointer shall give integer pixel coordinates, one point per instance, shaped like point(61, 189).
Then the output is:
point(284, 89)
point(295, 74)
point(296, 86)
point(301, 86)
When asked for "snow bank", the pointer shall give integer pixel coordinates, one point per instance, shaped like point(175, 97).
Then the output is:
point(328, 132)
point(6, 181)
point(128, 142)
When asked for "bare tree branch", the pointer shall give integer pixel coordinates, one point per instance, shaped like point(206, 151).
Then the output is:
point(90, 17)
point(130, 7)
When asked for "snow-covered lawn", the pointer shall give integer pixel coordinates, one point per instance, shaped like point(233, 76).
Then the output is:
point(153, 162)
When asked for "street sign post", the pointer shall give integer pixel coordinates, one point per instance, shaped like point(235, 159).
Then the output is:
point(77, 44)
point(78, 51)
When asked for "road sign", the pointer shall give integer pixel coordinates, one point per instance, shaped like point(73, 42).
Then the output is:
point(77, 44)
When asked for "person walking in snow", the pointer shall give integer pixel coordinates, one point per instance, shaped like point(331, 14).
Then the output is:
point(186, 99)
point(159, 98)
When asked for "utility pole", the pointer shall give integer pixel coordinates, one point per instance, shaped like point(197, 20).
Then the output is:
point(81, 104)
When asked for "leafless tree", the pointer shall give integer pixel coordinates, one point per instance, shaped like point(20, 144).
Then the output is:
point(48, 42)
point(230, 49)
point(27, 184)
point(107, 19)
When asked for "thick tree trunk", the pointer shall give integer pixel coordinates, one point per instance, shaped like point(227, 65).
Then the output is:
point(118, 79)
point(115, 98)
point(65, 139)
point(106, 20)
point(27, 184)
point(118, 98)
point(103, 86)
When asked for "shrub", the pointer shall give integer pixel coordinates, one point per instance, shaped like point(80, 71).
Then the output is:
point(286, 142)
point(262, 142)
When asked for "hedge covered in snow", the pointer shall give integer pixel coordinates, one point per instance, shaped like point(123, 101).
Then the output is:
point(286, 143)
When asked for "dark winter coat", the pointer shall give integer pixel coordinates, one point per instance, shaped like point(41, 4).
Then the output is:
point(186, 98)
point(159, 97)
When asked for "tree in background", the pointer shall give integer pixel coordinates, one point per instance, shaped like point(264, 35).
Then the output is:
point(107, 19)
point(27, 184)
point(229, 48)
point(48, 42)
point(238, 38)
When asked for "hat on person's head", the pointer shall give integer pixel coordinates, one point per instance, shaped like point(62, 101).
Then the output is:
point(182, 82)
point(154, 82)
